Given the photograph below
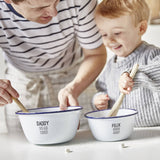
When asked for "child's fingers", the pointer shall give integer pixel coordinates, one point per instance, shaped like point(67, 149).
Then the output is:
point(107, 97)
point(101, 107)
point(101, 102)
point(125, 77)
point(126, 90)
point(102, 97)
point(126, 84)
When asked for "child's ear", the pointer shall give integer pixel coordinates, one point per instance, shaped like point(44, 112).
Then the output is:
point(8, 1)
point(143, 27)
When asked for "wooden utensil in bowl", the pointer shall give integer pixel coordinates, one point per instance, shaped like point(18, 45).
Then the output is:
point(20, 105)
point(116, 106)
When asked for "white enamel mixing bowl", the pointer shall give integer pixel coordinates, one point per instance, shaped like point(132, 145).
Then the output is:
point(50, 125)
point(111, 128)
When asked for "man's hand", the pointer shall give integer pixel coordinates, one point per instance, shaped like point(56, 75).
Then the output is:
point(67, 97)
point(7, 92)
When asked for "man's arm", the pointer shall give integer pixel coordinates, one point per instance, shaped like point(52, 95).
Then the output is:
point(92, 65)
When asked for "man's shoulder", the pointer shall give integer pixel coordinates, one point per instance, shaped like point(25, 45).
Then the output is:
point(3, 5)
point(4, 11)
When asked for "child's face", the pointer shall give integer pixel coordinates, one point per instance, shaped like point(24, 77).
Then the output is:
point(119, 34)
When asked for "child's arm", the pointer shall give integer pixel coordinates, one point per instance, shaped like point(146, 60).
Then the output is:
point(148, 76)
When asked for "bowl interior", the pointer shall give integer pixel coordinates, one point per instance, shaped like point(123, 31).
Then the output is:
point(48, 110)
point(103, 114)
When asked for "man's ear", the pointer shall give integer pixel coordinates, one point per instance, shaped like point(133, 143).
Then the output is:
point(8, 1)
point(143, 27)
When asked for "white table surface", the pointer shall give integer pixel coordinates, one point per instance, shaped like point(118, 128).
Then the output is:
point(144, 144)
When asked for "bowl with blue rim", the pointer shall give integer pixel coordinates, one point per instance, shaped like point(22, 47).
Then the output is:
point(50, 125)
point(115, 128)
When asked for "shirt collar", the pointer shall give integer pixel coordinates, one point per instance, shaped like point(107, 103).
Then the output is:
point(13, 10)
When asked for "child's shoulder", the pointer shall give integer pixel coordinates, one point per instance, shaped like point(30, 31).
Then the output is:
point(150, 50)
point(150, 47)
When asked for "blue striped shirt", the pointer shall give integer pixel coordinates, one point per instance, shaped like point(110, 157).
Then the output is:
point(35, 47)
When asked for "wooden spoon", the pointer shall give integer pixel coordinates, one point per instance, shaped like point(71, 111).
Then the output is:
point(116, 106)
point(21, 106)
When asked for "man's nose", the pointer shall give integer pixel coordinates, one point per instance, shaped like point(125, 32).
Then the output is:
point(51, 11)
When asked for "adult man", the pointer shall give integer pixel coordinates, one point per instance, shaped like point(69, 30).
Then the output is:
point(40, 39)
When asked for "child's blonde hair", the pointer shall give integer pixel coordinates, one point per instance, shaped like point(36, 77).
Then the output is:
point(116, 8)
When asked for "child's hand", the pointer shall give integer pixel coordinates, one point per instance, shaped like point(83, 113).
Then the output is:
point(101, 101)
point(125, 83)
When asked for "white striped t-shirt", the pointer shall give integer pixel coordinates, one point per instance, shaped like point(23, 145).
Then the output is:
point(35, 47)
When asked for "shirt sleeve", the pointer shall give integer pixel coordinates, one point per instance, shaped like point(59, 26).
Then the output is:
point(148, 76)
point(87, 31)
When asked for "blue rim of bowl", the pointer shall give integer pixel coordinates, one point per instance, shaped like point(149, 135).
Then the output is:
point(61, 111)
point(91, 117)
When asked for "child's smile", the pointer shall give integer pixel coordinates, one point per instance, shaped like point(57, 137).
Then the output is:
point(121, 38)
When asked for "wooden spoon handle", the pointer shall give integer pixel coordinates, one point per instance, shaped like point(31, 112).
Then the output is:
point(116, 106)
point(21, 106)
point(118, 103)
point(134, 70)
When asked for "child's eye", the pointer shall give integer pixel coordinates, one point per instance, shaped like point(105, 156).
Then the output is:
point(104, 35)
